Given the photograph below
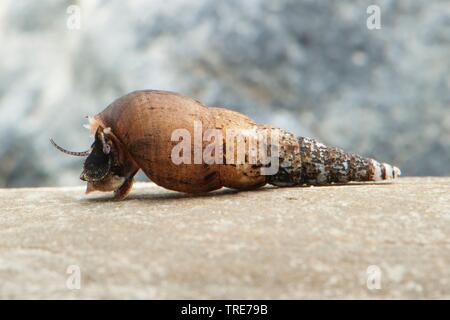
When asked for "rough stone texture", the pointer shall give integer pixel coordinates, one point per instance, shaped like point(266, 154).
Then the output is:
point(311, 67)
point(313, 242)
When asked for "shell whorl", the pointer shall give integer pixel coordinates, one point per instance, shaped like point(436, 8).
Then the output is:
point(307, 161)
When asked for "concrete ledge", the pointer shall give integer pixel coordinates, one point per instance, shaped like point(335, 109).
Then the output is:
point(314, 242)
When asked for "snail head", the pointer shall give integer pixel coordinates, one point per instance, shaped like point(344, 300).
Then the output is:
point(99, 162)
point(102, 170)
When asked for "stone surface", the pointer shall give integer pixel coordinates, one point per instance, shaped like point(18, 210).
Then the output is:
point(311, 67)
point(311, 242)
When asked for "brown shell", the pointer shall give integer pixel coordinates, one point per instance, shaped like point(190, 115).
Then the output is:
point(242, 176)
point(144, 122)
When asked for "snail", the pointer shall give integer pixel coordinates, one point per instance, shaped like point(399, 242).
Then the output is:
point(142, 131)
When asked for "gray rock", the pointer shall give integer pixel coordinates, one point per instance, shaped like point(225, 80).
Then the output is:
point(311, 67)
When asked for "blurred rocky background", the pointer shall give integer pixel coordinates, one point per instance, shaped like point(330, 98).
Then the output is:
point(309, 66)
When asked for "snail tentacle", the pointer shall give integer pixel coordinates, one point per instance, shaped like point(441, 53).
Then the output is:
point(72, 153)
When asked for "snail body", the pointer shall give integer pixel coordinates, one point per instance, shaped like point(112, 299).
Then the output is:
point(139, 131)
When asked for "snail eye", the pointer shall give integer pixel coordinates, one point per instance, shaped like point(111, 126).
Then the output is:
point(106, 148)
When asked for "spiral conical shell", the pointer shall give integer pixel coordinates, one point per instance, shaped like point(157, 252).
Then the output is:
point(144, 121)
